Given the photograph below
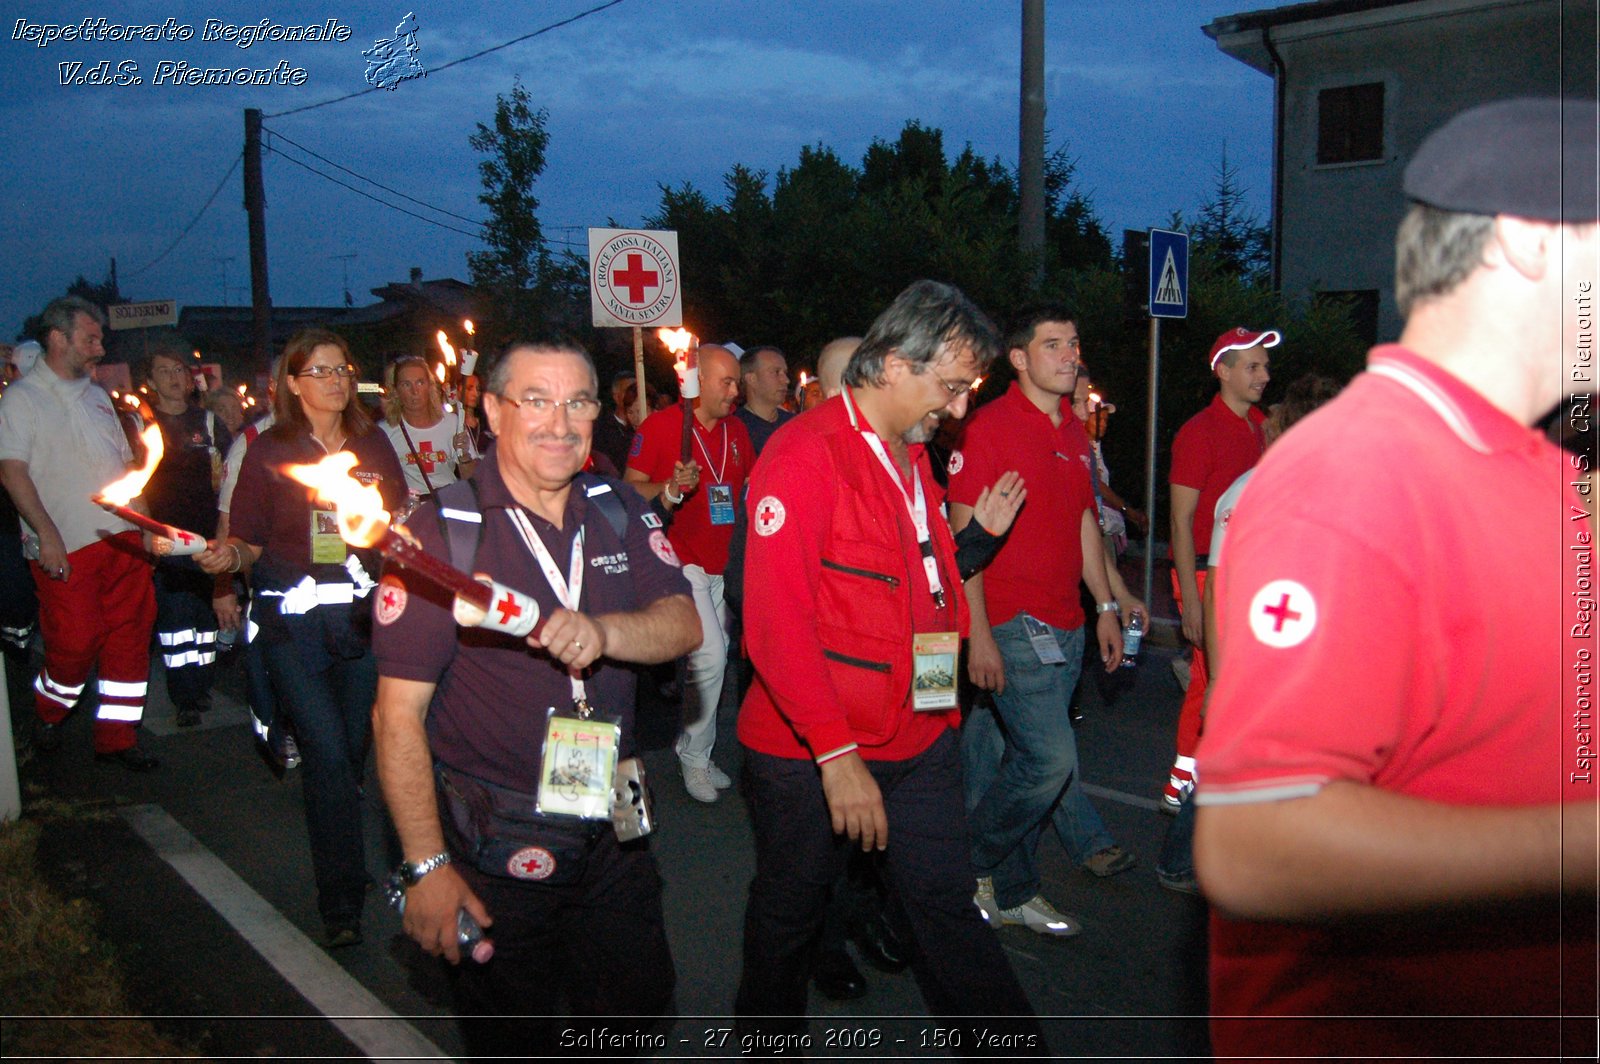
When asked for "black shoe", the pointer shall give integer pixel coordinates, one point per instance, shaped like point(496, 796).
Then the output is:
point(133, 759)
point(188, 715)
point(47, 737)
point(338, 936)
point(836, 976)
point(880, 947)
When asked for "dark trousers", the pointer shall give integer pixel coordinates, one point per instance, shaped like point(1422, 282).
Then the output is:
point(186, 629)
point(329, 699)
point(956, 957)
point(597, 947)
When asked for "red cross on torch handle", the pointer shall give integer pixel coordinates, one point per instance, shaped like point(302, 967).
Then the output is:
point(478, 602)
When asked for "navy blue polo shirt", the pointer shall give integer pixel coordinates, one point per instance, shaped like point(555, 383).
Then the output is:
point(488, 715)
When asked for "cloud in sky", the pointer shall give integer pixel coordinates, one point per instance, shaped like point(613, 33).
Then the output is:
point(641, 95)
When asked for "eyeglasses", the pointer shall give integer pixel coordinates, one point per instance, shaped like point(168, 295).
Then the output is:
point(322, 373)
point(955, 389)
point(537, 406)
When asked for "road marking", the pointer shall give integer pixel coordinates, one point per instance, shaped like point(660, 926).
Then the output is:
point(348, 1005)
point(1153, 804)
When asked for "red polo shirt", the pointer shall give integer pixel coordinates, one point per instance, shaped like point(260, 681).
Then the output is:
point(1399, 610)
point(1211, 451)
point(725, 455)
point(1039, 566)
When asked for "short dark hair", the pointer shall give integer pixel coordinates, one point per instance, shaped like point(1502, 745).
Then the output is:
point(918, 326)
point(499, 370)
point(1027, 320)
point(1302, 397)
point(747, 363)
point(62, 316)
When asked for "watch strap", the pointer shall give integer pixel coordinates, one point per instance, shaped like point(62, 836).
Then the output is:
point(411, 872)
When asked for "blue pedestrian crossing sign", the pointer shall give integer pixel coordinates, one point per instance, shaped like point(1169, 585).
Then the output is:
point(1169, 274)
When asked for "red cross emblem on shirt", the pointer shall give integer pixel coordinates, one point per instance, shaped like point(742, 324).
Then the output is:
point(1281, 612)
point(769, 515)
point(424, 456)
point(635, 278)
point(389, 599)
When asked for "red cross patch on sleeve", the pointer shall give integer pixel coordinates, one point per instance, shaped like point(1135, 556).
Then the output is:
point(1283, 614)
point(769, 516)
point(391, 602)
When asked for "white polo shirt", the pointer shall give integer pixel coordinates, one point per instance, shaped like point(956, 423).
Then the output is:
point(68, 434)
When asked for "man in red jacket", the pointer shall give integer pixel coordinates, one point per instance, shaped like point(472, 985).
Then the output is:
point(854, 618)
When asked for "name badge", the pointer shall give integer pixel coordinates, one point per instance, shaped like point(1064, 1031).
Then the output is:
point(720, 498)
point(933, 670)
point(327, 546)
point(579, 768)
point(1045, 647)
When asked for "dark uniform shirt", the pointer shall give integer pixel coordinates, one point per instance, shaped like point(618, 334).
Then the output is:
point(181, 491)
point(488, 712)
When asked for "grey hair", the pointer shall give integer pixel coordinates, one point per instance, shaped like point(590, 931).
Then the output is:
point(922, 322)
point(1434, 251)
point(62, 315)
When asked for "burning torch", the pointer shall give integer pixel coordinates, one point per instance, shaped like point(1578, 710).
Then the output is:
point(469, 357)
point(478, 602)
point(114, 497)
point(682, 345)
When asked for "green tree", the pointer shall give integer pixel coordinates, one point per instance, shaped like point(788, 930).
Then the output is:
point(517, 266)
point(1227, 236)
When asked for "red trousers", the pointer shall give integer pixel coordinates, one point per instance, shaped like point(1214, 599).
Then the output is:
point(1194, 699)
point(100, 615)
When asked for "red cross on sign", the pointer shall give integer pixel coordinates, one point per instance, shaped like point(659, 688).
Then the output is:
point(1283, 614)
point(635, 278)
point(509, 608)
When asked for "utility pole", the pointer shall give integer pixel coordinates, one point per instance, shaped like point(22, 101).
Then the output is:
point(255, 205)
point(1030, 156)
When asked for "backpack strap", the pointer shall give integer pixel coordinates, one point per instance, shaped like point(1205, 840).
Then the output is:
point(461, 517)
point(602, 491)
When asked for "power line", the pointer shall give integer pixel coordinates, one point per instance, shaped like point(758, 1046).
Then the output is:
point(368, 180)
point(209, 200)
point(457, 62)
point(370, 196)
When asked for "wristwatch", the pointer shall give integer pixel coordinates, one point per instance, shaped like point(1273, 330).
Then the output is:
point(410, 873)
point(1107, 607)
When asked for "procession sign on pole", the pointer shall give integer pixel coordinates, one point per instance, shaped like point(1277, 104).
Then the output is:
point(634, 282)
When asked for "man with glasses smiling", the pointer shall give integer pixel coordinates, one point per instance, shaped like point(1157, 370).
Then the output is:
point(460, 724)
point(851, 591)
point(1028, 629)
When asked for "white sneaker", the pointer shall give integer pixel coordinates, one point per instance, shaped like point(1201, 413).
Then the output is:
point(985, 901)
point(697, 781)
point(1041, 917)
point(719, 779)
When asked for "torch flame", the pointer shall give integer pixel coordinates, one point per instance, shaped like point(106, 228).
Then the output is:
point(444, 346)
point(122, 491)
point(466, 323)
point(977, 383)
point(241, 389)
point(362, 518)
point(438, 371)
point(678, 341)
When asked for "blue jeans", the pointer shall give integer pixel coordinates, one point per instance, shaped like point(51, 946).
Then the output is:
point(1022, 768)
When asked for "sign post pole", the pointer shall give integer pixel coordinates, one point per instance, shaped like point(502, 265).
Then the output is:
point(1168, 298)
point(641, 405)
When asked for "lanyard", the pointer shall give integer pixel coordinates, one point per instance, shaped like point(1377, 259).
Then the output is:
point(916, 505)
point(716, 471)
point(567, 591)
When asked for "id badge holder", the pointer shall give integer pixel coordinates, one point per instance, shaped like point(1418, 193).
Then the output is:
point(327, 546)
point(579, 769)
point(1045, 647)
point(720, 498)
point(933, 671)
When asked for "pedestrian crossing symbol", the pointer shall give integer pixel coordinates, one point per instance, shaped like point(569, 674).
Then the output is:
point(1169, 274)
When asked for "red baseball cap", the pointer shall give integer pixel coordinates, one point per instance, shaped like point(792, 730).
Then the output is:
point(1237, 339)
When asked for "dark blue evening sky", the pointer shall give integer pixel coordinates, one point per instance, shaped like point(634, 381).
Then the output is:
point(642, 94)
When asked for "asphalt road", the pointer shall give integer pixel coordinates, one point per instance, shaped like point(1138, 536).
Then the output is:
point(201, 872)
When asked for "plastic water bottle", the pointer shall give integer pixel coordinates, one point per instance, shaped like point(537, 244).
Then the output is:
point(1132, 636)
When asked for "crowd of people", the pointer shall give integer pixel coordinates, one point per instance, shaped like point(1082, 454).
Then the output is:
point(1365, 765)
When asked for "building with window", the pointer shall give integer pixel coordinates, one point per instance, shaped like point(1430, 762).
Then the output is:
point(1358, 84)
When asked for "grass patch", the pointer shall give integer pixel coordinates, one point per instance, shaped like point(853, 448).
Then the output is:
point(55, 965)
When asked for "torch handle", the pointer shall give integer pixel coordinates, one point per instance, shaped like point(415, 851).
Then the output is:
point(169, 540)
point(686, 445)
point(477, 604)
point(408, 553)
